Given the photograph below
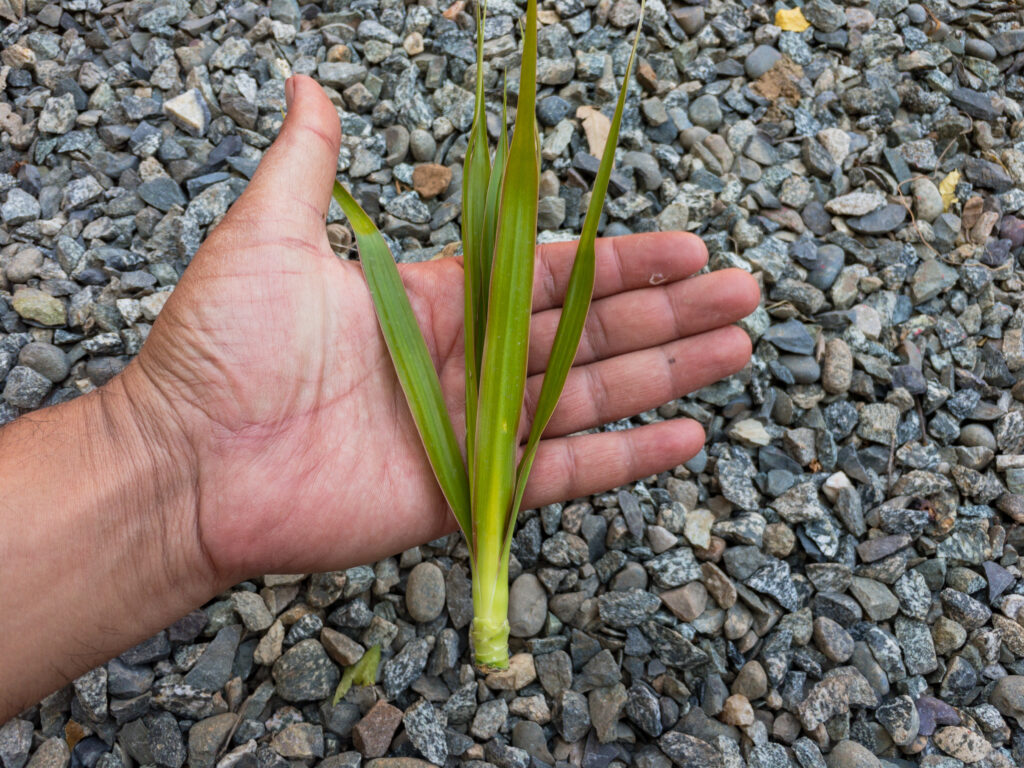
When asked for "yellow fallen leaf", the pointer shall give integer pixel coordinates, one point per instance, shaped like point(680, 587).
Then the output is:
point(947, 188)
point(791, 20)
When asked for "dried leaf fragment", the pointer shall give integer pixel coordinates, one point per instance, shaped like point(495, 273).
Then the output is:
point(947, 188)
point(791, 20)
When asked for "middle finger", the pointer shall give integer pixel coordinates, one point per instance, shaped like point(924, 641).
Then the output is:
point(651, 316)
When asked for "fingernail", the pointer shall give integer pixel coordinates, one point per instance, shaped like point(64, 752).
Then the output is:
point(289, 91)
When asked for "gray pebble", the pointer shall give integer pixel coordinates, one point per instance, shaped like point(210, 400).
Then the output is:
point(45, 358)
point(528, 606)
point(705, 112)
point(980, 49)
point(15, 742)
point(26, 387)
point(422, 145)
point(690, 18)
point(425, 592)
point(805, 369)
point(425, 731)
point(916, 13)
point(888, 218)
point(399, 672)
point(213, 669)
point(305, 673)
point(19, 208)
point(760, 60)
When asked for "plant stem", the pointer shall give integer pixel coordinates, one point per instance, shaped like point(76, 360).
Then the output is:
point(490, 609)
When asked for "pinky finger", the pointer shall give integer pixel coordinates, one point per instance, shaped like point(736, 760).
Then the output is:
point(570, 467)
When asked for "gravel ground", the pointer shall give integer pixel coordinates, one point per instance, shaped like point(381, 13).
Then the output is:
point(834, 581)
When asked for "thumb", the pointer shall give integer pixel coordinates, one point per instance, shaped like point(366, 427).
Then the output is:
point(294, 179)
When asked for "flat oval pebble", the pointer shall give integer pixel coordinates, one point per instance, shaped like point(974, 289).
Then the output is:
point(425, 592)
point(888, 218)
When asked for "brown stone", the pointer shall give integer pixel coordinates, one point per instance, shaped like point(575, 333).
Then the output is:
point(339, 52)
point(596, 127)
point(299, 741)
point(206, 738)
point(786, 728)
point(851, 754)
point(737, 711)
point(785, 217)
point(687, 602)
point(962, 743)
point(340, 238)
point(780, 82)
point(712, 553)
point(413, 44)
point(719, 585)
point(751, 681)
point(779, 540)
point(1012, 634)
point(52, 753)
point(340, 647)
point(453, 10)
point(646, 76)
point(837, 370)
point(1012, 504)
point(431, 179)
point(372, 735)
point(519, 674)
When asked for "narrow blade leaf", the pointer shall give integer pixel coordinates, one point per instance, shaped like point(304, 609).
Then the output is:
point(503, 372)
point(412, 360)
point(494, 196)
point(577, 299)
point(476, 175)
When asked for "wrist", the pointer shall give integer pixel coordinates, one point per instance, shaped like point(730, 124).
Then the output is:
point(102, 514)
point(149, 440)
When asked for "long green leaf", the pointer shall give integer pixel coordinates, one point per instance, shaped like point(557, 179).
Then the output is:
point(577, 299)
point(475, 259)
point(412, 360)
point(494, 194)
point(503, 372)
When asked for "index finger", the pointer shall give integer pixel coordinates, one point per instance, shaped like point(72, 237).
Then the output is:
point(624, 263)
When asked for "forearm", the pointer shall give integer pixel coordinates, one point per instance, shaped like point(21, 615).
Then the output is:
point(98, 543)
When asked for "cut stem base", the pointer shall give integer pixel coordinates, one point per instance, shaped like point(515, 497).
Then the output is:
point(490, 641)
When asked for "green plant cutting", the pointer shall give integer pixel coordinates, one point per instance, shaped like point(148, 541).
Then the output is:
point(363, 672)
point(484, 485)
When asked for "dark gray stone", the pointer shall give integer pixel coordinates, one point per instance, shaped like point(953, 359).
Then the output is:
point(162, 193)
point(213, 669)
point(425, 731)
point(305, 673)
point(25, 387)
point(400, 671)
point(886, 219)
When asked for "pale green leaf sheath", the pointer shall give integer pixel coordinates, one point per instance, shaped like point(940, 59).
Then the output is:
point(503, 369)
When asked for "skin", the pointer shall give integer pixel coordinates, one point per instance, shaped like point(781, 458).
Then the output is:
point(261, 428)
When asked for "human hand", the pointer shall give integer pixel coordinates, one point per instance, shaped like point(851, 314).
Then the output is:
point(268, 366)
point(261, 429)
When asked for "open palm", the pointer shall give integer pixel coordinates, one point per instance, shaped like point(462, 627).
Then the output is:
point(306, 456)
